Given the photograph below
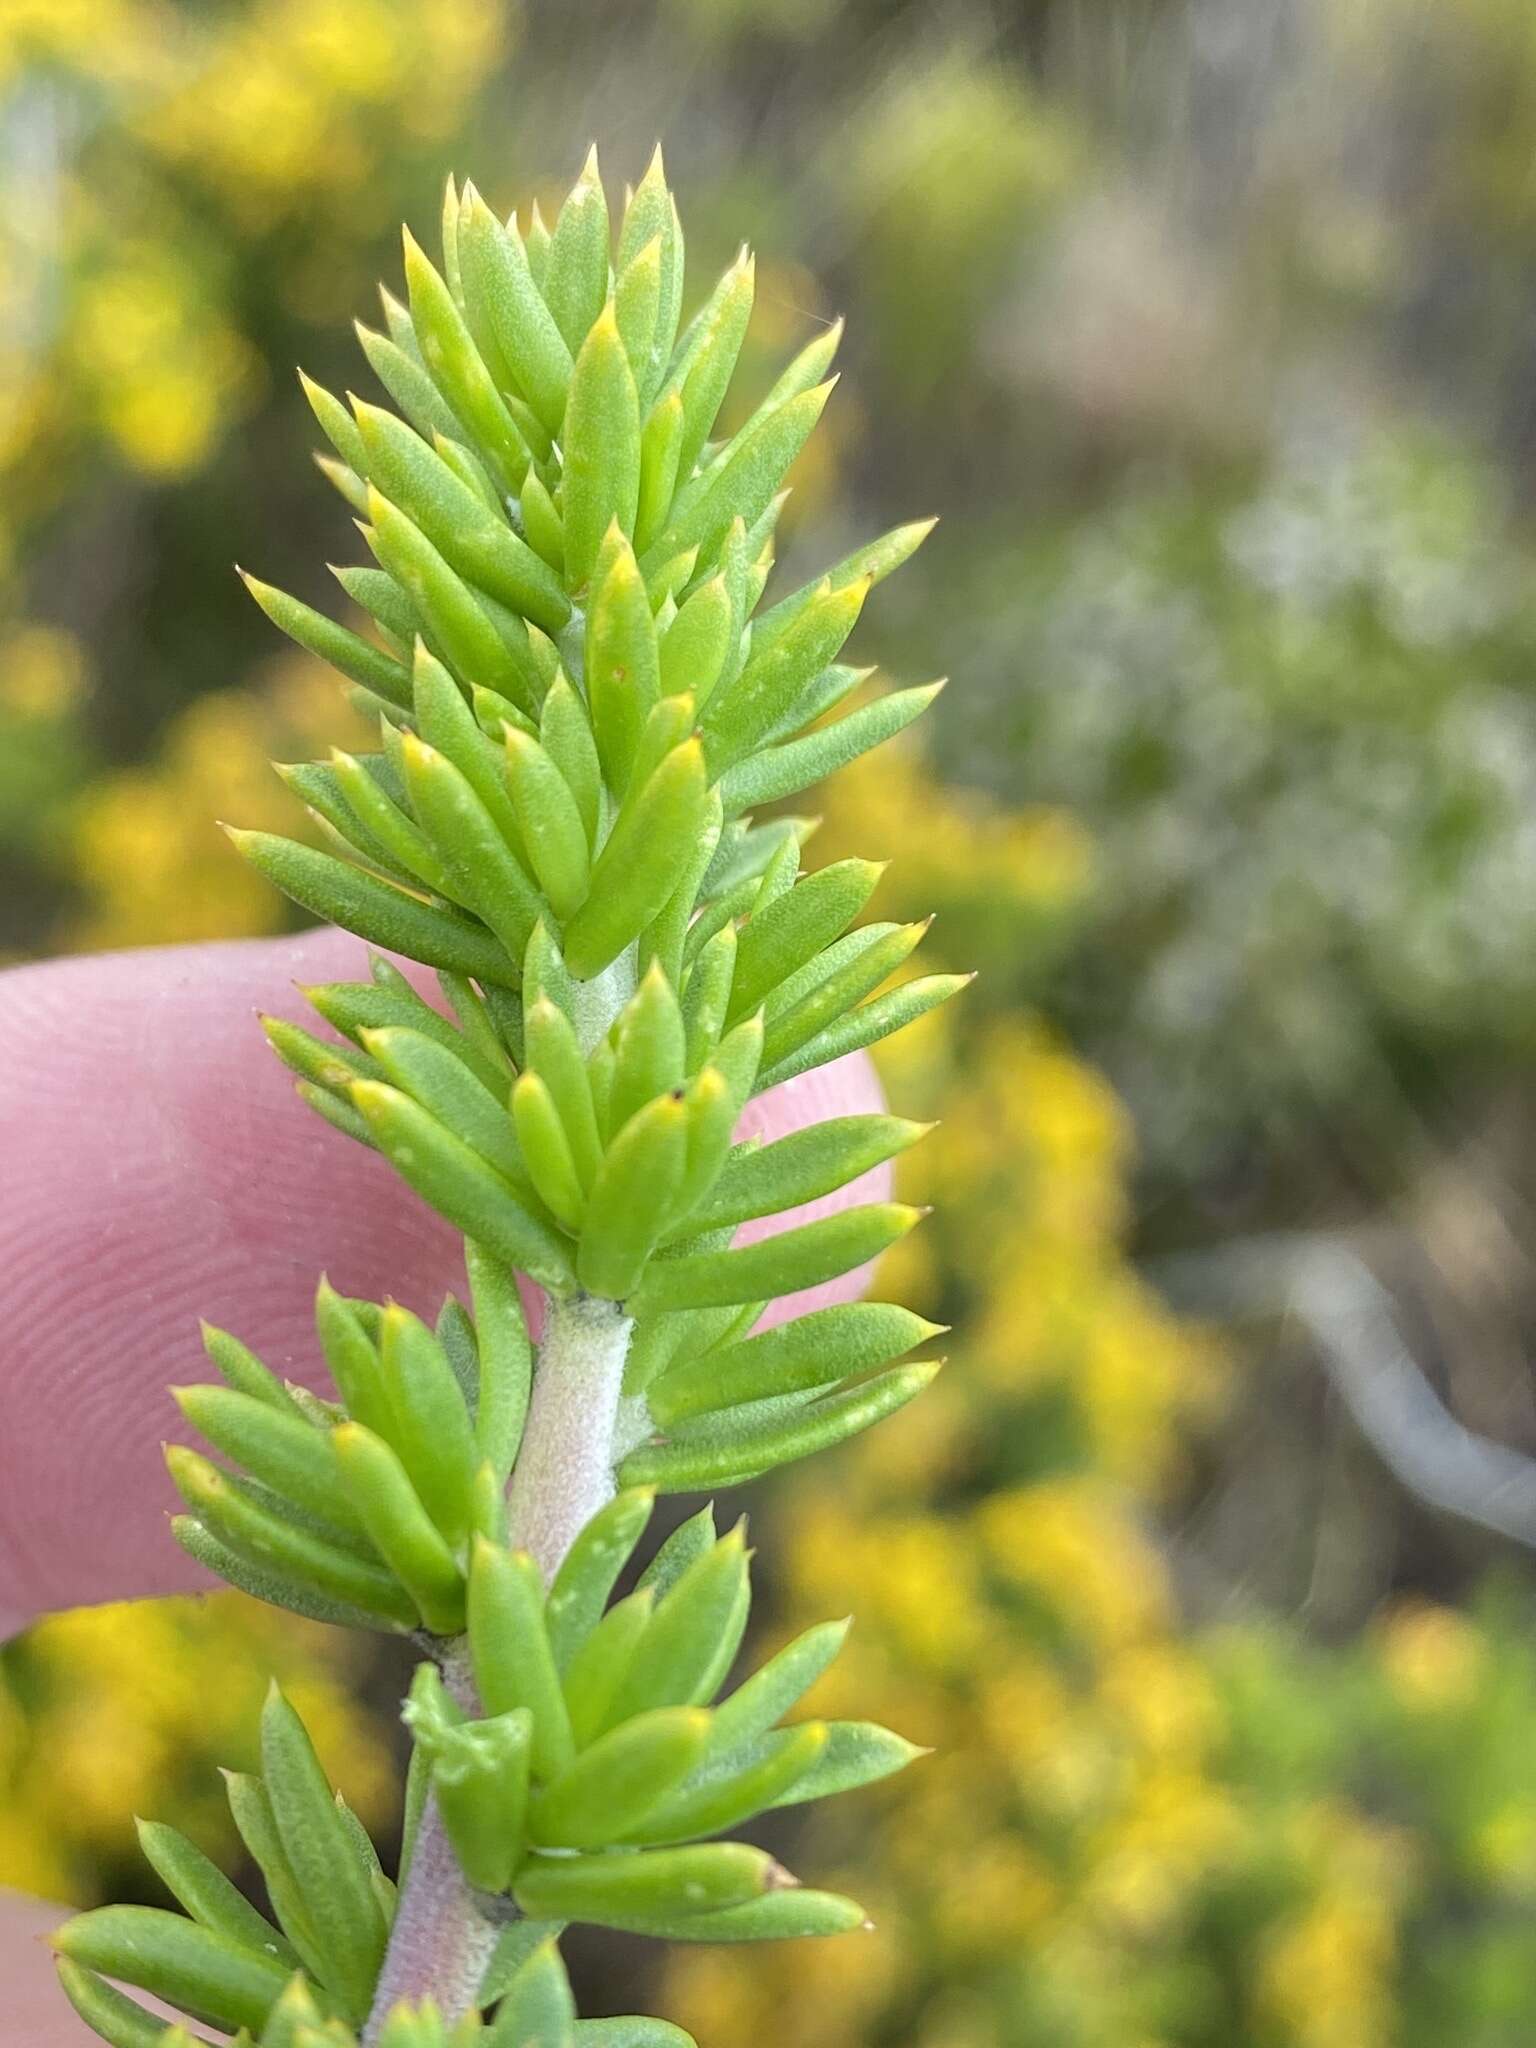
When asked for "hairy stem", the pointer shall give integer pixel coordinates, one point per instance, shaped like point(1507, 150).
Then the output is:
point(564, 1471)
point(442, 1941)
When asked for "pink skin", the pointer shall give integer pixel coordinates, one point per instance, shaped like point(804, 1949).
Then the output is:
point(158, 1167)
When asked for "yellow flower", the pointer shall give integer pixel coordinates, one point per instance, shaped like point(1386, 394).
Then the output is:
point(157, 367)
point(42, 672)
point(1067, 1540)
point(1161, 1695)
point(154, 864)
point(1504, 1848)
point(1323, 1974)
point(990, 1893)
point(112, 1711)
point(1432, 1656)
point(287, 102)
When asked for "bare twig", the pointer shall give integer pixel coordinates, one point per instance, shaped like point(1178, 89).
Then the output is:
point(1327, 1286)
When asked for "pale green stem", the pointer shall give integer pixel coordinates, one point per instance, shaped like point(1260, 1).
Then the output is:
point(442, 1940)
point(564, 1471)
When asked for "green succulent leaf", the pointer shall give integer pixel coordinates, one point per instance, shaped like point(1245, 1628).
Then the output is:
point(402, 1531)
point(286, 1453)
point(613, 1786)
point(202, 1890)
point(803, 1356)
point(449, 1088)
point(856, 1753)
point(740, 718)
point(867, 1025)
point(795, 1259)
point(251, 1809)
point(691, 1635)
point(538, 2010)
point(636, 872)
point(206, 1974)
point(591, 1570)
point(375, 909)
point(729, 1789)
point(632, 2032)
point(551, 821)
point(623, 662)
point(453, 619)
point(471, 539)
point(317, 634)
point(780, 1915)
point(684, 1547)
point(405, 377)
point(278, 1588)
point(459, 1183)
point(602, 448)
point(456, 365)
point(519, 1940)
point(514, 1660)
point(354, 1007)
point(497, 270)
point(256, 1531)
point(729, 1456)
point(632, 1197)
point(601, 1664)
point(742, 482)
point(119, 2020)
point(504, 1356)
point(480, 1775)
point(433, 1431)
point(296, 2020)
point(334, 1879)
point(777, 772)
point(802, 1167)
point(547, 1148)
point(576, 282)
point(635, 1888)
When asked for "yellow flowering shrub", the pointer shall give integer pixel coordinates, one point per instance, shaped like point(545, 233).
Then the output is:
point(137, 1707)
point(165, 140)
point(1129, 1835)
point(44, 672)
point(1013, 1612)
point(295, 103)
point(140, 835)
point(189, 189)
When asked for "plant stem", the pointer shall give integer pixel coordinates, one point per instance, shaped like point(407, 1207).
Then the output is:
point(442, 1942)
point(564, 1471)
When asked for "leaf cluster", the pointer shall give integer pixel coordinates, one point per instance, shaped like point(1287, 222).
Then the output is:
point(535, 2007)
point(588, 1786)
point(580, 708)
point(585, 1785)
point(366, 1510)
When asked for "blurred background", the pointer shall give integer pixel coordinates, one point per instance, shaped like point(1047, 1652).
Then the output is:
point(1209, 328)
